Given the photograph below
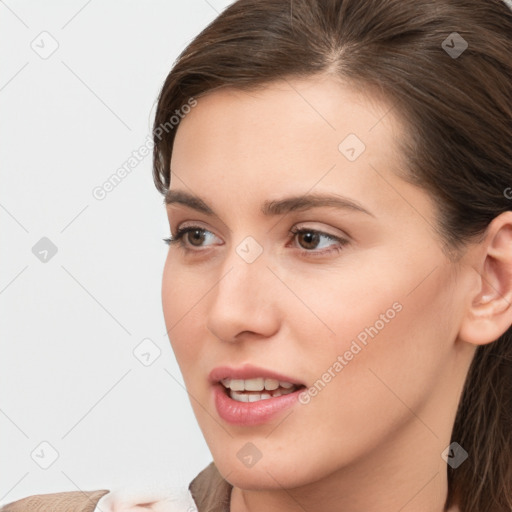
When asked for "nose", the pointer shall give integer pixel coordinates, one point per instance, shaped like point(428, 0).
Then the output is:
point(244, 301)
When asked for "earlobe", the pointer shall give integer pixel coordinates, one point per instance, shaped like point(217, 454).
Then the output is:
point(489, 314)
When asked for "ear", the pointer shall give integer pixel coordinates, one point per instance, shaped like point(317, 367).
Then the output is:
point(490, 309)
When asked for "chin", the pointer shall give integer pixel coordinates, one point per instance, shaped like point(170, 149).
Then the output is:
point(269, 474)
point(253, 479)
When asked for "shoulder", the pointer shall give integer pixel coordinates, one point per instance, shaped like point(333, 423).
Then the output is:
point(121, 499)
point(210, 490)
point(72, 501)
point(207, 492)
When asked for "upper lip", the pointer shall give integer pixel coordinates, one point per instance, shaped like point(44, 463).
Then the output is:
point(248, 372)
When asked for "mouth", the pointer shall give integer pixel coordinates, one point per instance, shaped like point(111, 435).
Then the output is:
point(249, 395)
point(256, 389)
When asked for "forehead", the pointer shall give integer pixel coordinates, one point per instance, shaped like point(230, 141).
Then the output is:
point(293, 134)
point(283, 119)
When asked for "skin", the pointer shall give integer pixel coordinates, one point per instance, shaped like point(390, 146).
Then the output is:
point(372, 439)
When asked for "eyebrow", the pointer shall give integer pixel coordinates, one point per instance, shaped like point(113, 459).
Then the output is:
point(274, 207)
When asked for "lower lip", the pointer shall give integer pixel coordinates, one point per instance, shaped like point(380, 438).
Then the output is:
point(251, 413)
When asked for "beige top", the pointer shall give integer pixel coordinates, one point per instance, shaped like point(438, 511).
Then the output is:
point(73, 501)
point(209, 490)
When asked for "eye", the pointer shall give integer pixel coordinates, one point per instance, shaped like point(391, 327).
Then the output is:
point(310, 240)
point(195, 238)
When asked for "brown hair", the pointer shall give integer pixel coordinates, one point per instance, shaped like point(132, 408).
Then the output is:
point(458, 113)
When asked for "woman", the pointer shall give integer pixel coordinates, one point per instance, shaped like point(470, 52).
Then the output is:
point(338, 182)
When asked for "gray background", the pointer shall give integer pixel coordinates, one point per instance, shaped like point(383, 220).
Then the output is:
point(83, 406)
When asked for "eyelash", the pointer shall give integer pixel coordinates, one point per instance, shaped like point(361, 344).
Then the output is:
point(178, 240)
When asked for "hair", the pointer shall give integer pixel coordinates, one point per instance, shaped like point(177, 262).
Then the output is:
point(457, 111)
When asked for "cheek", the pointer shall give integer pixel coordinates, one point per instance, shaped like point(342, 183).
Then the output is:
point(338, 306)
point(374, 298)
point(389, 341)
point(182, 293)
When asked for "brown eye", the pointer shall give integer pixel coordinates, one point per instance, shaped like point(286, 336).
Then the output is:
point(312, 242)
point(196, 235)
point(192, 236)
point(308, 239)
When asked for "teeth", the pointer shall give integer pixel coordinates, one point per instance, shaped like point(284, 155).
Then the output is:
point(236, 385)
point(242, 396)
point(239, 397)
point(271, 384)
point(256, 384)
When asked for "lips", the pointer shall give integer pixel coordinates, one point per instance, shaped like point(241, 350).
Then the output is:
point(250, 395)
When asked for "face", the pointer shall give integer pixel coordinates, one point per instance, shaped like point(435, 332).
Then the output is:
point(350, 305)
